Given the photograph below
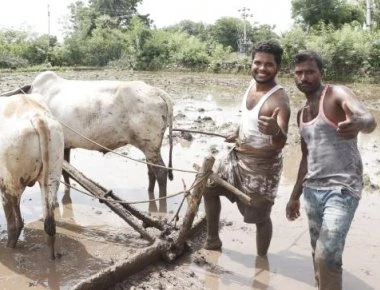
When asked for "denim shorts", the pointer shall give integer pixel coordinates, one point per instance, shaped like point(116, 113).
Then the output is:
point(330, 213)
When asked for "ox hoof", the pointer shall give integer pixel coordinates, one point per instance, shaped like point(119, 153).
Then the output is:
point(66, 198)
point(11, 244)
point(152, 207)
point(213, 244)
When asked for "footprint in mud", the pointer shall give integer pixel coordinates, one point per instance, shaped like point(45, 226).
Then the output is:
point(201, 261)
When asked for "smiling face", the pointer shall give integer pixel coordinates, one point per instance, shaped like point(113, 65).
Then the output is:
point(307, 76)
point(264, 67)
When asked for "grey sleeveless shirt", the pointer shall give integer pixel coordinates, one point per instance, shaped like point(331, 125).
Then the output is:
point(332, 160)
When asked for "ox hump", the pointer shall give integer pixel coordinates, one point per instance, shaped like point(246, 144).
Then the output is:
point(45, 77)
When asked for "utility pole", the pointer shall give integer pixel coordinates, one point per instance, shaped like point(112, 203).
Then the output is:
point(244, 12)
point(48, 16)
point(368, 14)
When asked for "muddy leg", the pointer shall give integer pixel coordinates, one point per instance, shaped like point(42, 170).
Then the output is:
point(19, 220)
point(263, 236)
point(212, 208)
point(15, 223)
point(50, 230)
point(66, 178)
point(162, 179)
point(48, 195)
point(152, 182)
point(161, 175)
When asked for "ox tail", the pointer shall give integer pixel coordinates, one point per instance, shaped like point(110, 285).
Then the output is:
point(169, 105)
point(48, 187)
point(170, 172)
point(22, 90)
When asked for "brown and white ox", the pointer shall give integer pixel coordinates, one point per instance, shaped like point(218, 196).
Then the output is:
point(31, 149)
point(113, 114)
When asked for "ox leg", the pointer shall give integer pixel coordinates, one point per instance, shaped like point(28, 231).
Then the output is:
point(161, 175)
point(15, 223)
point(66, 196)
point(48, 195)
point(50, 230)
point(152, 182)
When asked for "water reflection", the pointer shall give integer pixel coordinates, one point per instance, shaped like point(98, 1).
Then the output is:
point(262, 274)
point(211, 278)
point(228, 270)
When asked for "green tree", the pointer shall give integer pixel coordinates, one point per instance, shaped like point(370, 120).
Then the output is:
point(374, 9)
point(310, 13)
point(262, 32)
point(190, 52)
point(292, 42)
point(227, 31)
point(197, 29)
point(155, 51)
point(376, 13)
point(121, 11)
point(136, 36)
point(106, 44)
point(82, 20)
point(40, 49)
point(13, 45)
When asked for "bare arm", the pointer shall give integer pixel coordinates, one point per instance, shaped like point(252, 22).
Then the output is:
point(358, 117)
point(233, 136)
point(277, 124)
point(293, 206)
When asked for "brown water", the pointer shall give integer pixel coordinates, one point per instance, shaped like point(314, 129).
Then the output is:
point(91, 237)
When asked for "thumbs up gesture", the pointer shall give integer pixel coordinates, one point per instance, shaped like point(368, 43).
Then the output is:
point(268, 125)
point(351, 126)
point(275, 113)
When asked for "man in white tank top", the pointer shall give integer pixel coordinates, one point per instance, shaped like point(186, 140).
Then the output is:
point(330, 172)
point(255, 163)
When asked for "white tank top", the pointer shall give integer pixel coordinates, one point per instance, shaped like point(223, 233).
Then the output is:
point(249, 133)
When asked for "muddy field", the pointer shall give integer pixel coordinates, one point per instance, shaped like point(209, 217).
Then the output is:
point(91, 238)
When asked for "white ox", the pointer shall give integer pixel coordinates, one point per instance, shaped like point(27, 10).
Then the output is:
point(113, 114)
point(31, 149)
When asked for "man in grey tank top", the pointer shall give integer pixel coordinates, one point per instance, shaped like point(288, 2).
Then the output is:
point(254, 164)
point(330, 171)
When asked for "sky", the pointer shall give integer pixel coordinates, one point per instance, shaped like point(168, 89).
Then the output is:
point(33, 14)
point(167, 12)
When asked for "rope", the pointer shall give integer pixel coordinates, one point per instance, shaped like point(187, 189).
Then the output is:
point(145, 162)
point(176, 216)
point(200, 132)
point(138, 202)
point(110, 150)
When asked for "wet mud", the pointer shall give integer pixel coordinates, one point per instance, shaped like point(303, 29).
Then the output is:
point(90, 237)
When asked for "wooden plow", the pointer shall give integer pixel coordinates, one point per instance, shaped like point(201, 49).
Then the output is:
point(169, 244)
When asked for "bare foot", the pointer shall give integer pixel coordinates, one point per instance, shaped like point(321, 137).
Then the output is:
point(213, 244)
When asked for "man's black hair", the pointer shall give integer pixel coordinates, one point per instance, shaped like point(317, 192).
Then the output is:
point(269, 46)
point(309, 55)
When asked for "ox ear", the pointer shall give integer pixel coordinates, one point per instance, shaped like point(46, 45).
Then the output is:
point(25, 89)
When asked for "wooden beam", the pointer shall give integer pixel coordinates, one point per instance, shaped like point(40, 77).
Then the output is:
point(238, 193)
point(98, 192)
